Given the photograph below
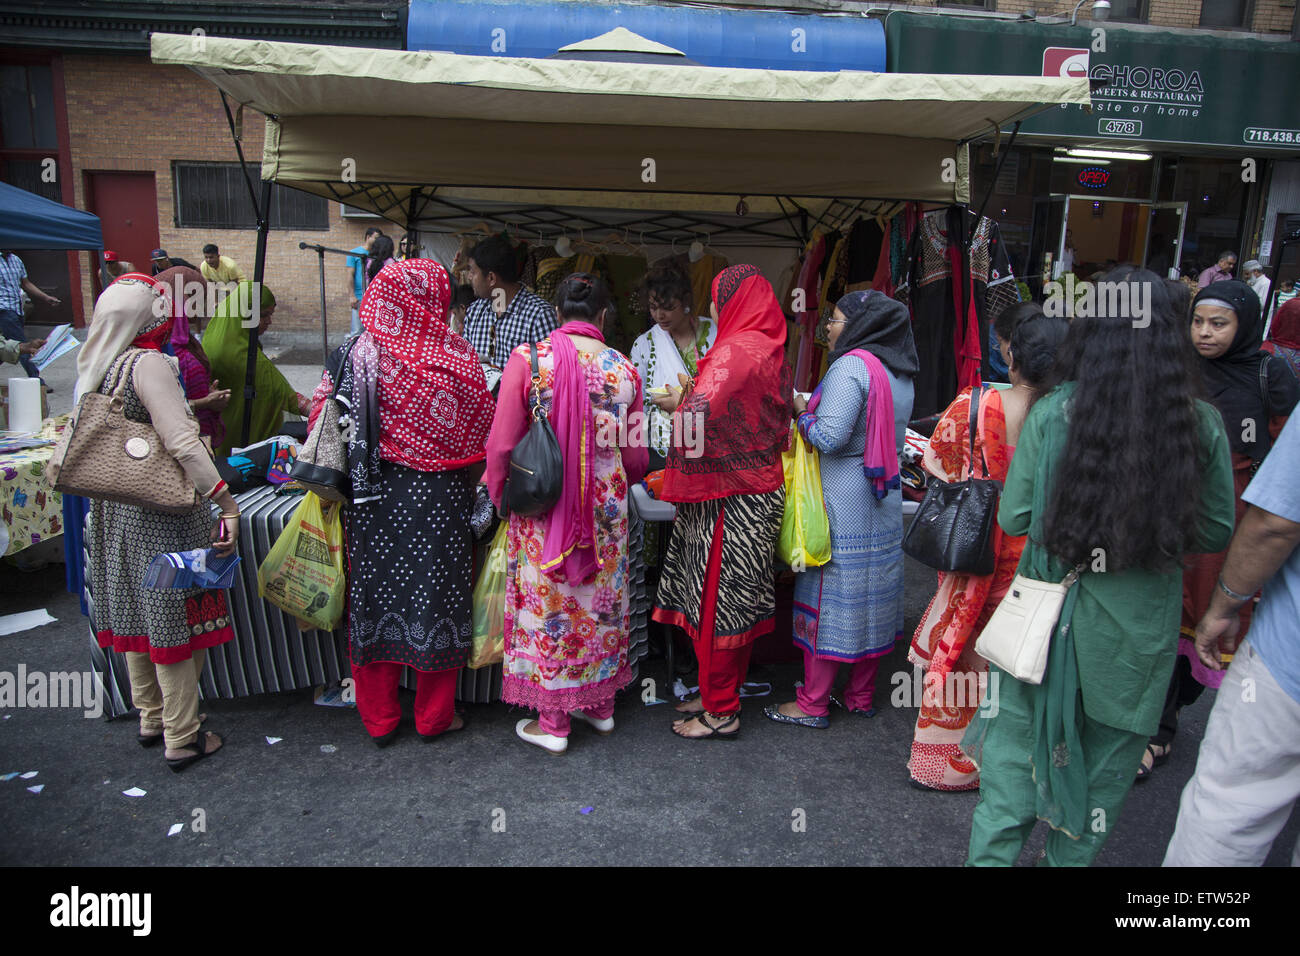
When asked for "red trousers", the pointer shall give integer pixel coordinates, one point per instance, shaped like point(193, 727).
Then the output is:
point(376, 686)
point(721, 674)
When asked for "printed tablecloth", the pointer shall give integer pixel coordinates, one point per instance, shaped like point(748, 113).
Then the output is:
point(29, 507)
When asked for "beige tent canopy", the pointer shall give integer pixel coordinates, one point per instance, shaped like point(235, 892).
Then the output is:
point(394, 131)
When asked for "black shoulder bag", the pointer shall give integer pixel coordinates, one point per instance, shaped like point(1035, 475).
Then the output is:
point(952, 528)
point(536, 465)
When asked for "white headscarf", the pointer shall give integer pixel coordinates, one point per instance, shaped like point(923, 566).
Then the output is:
point(123, 311)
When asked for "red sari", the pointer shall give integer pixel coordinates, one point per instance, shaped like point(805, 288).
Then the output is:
point(944, 644)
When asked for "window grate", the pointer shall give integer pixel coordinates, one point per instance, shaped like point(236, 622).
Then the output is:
point(215, 196)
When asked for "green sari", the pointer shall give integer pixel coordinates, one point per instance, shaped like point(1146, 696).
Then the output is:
point(226, 343)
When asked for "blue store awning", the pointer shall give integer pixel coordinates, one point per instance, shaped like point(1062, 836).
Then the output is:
point(29, 221)
point(710, 37)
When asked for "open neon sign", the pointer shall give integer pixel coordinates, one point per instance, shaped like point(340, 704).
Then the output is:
point(1093, 177)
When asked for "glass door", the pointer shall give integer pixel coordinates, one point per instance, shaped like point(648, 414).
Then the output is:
point(1164, 250)
point(1046, 239)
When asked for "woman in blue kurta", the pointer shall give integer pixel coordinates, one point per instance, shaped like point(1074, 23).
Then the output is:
point(850, 611)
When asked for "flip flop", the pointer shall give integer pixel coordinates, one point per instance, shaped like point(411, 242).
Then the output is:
point(152, 740)
point(178, 764)
point(714, 729)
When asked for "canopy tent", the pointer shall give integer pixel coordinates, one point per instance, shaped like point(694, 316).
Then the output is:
point(401, 132)
point(29, 221)
point(426, 138)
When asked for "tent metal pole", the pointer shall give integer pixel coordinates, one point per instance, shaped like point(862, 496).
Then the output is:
point(988, 193)
point(259, 272)
point(324, 326)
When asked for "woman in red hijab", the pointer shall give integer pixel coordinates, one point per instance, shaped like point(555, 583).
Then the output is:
point(1284, 335)
point(420, 414)
point(724, 472)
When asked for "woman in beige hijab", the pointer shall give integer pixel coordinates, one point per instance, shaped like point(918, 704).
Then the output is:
point(163, 633)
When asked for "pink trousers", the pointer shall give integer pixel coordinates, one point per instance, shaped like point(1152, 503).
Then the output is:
point(819, 678)
point(556, 722)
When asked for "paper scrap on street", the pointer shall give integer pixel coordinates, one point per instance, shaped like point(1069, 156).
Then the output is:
point(175, 829)
point(36, 789)
point(586, 810)
point(331, 696)
point(8, 776)
point(24, 621)
point(654, 700)
point(29, 774)
point(134, 792)
point(60, 341)
point(274, 740)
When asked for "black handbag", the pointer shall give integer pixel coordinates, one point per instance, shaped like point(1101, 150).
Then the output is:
point(952, 529)
point(536, 465)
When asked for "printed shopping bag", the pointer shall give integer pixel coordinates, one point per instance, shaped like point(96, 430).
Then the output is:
point(805, 540)
point(303, 575)
point(490, 605)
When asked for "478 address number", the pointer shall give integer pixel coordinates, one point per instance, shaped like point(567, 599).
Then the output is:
point(1258, 134)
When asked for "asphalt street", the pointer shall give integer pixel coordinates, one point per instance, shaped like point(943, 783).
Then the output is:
point(325, 795)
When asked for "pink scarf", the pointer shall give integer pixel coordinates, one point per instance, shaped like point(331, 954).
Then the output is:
point(570, 550)
point(880, 458)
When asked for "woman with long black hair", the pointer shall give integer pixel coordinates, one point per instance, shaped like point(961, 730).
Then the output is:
point(1120, 470)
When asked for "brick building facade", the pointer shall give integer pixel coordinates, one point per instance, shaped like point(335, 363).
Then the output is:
point(111, 119)
point(172, 116)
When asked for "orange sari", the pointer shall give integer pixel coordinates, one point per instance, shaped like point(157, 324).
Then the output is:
point(944, 643)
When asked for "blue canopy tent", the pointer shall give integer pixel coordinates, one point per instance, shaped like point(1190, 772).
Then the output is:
point(29, 221)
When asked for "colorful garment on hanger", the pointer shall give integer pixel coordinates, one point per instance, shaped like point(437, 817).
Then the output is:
point(951, 318)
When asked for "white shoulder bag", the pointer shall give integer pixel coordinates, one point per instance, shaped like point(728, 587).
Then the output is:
point(1019, 634)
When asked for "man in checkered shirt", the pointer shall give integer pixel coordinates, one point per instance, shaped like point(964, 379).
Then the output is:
point(13, 279)
point(505, 315)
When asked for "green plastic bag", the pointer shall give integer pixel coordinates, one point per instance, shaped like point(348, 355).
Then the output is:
point(490, 605)
point(805, 540)
point(303, 575)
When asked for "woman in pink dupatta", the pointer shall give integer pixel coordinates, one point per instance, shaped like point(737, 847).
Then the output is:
point(567, 587)
point(189, 290)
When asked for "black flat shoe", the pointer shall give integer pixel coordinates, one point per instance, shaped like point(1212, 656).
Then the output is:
point(771, 712)
point(386, 739)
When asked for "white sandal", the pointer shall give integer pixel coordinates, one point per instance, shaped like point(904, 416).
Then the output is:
point(548, 742)
point(603, 727)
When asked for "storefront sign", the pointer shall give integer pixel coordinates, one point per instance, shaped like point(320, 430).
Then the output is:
point(1157, 86)
point(1093, 177)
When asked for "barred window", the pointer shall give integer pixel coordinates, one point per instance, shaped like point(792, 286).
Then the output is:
point(215, 196)
point(1225, 13)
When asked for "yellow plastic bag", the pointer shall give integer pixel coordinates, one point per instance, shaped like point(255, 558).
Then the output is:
point(304, 574)
point(805, 540)
point(490, 605)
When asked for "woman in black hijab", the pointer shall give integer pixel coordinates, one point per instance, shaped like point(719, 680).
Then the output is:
point(1254, 392)
point(851, 610)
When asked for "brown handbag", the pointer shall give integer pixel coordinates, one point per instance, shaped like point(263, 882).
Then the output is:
point(104, 454)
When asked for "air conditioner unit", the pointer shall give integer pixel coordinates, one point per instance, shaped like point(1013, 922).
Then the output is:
point(352, 212)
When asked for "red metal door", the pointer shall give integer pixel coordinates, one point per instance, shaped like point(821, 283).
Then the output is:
point(127, 207)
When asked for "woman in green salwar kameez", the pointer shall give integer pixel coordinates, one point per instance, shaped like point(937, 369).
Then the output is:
point(226, 344)
point(1120, 469)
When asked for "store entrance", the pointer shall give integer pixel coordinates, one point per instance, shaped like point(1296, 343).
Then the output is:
point(1087, 235)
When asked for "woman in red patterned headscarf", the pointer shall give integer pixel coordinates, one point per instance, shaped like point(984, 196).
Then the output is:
point(420, 414)
point(724, 471)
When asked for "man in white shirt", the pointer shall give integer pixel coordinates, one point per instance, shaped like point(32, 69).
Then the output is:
point(1254, 275)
